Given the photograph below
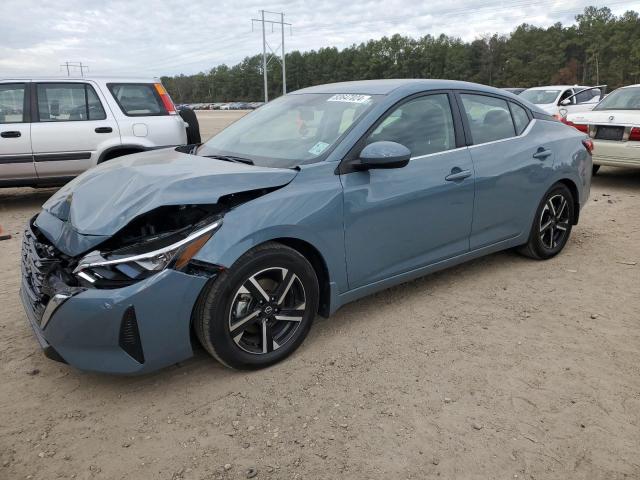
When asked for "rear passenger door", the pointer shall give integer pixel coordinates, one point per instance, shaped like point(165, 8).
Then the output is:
point(511, 166)
point(16, 161)
point(71, 127)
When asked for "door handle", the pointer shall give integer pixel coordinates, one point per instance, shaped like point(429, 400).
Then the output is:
point(104, 130)
point(542, 154)
point(10, 134)
point(457, 175)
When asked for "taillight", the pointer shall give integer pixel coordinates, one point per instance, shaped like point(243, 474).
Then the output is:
point(578, 126)
point(588, 144)
point(634, 134)
point(166, 99)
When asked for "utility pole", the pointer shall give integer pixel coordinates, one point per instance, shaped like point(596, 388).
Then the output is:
point(266, 57)
point(264, 61)
point(284, 70)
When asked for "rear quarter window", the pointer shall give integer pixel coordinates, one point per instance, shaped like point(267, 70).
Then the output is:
point(137, 99)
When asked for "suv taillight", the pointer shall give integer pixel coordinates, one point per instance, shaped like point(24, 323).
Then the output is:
point(166, 99)
point(588, 144)
point(634, 134)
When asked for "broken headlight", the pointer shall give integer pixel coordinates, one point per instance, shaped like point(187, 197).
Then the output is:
point(127, 265)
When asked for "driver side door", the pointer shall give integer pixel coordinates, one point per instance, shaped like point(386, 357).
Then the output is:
point(398, 220)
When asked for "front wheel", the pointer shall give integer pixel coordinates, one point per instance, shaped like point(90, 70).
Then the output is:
point(260, 310)
point(552, 224)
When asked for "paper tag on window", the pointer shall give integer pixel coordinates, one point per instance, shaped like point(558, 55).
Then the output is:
point(350, 98)
point(318, 148)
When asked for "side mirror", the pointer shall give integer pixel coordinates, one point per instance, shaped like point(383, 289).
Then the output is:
point(565, 102)
point(383, 155)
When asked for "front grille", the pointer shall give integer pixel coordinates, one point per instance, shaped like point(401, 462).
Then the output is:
point(38, 261)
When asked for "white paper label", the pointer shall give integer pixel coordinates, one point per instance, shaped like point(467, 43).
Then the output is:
point(318, 148)
point(350, 98)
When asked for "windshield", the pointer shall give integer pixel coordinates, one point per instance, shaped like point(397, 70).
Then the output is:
point(621, 99)
point(540, 97)
point(292, 130)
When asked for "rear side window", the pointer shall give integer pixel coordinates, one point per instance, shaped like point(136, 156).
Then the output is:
point(68, 102)
point(488, 117)
point(424, 125)
point(137, 99)
point(520, 117)
point(12, 103)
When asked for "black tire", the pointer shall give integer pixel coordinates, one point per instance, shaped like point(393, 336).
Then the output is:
point(594, 170)
point(552, 224)
point(232, 298)
point(193, 128)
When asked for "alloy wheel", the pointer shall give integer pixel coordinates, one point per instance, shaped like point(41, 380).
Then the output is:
point(266, 310)
point(554, 222)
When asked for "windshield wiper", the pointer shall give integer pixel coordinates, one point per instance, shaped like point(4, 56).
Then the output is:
point(231, 158)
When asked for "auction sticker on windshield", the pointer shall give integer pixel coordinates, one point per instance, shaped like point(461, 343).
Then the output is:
point(318, 148)
point(350, 98)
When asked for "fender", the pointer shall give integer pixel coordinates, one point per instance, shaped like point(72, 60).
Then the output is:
point(278, 215)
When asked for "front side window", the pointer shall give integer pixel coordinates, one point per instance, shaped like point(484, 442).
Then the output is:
point(424, 125)
point(621, 99)
point(567, 94)
point(520, 117)
point(12, 103)
point(488, 117)
point(292, 130)
point(68, 102)
point(137, 99)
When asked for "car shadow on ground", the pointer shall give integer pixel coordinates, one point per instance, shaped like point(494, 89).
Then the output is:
point(617, 178)
point(202, 366)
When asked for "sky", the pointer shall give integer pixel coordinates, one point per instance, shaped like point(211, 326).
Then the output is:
point(169, 37)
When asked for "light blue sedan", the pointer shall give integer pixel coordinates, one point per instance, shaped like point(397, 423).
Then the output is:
point(316, 199)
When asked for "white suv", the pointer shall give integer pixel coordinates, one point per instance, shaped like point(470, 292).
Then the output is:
point(52, 129)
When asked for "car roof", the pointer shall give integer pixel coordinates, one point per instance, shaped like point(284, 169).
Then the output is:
point(95, 78)
point(385, 87)
point(547, 87)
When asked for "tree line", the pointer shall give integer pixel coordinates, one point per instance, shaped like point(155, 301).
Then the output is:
point(601, 48)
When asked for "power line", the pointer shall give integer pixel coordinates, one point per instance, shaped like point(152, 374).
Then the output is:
point(273, 53)
point(455, 14)
point(69, 65)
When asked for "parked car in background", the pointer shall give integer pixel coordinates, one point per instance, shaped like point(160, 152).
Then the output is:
point(515, 91)
point(52, 129)
point(614, 125)
point(559, 100)
point(318, 198)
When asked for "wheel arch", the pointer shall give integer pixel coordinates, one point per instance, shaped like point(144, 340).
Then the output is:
point(119, 151)
point(573, 188)
point(317, 261)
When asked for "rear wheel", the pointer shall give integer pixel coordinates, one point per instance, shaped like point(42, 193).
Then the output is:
point(595, 169)
point(552, 224)
point(260, 310)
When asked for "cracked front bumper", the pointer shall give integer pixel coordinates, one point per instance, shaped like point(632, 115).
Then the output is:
point(86, 329)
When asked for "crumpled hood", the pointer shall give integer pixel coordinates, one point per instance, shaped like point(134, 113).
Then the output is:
point(104, 199)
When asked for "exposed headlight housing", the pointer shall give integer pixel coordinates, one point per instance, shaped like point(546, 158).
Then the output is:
point(128, 265)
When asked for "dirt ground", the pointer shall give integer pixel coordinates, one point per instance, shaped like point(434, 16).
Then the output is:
point(501, 368)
